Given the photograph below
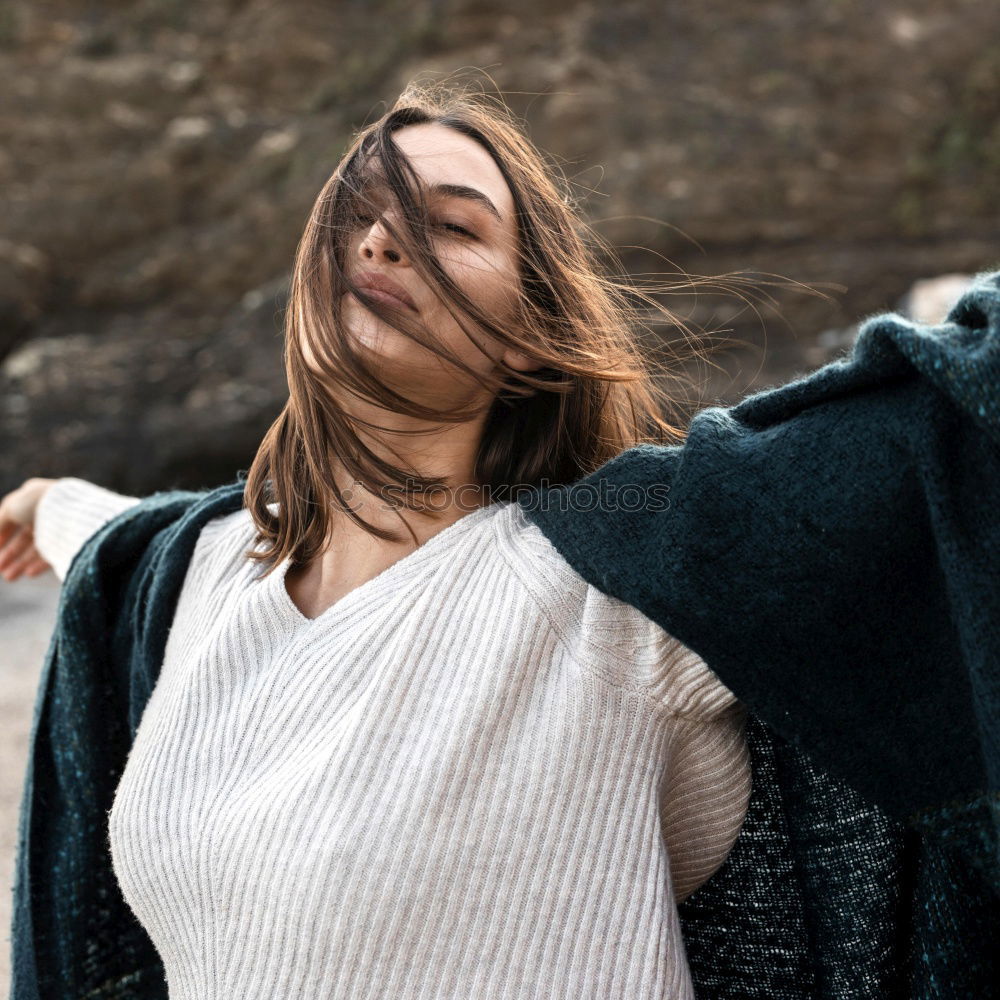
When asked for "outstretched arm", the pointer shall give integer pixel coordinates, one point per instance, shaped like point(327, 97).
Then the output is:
point(69, 513)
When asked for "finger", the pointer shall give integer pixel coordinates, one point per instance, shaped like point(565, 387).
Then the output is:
point(7, 530)
point(37, 567)
point(15, 548)
point(21, 551)
point(17, 568)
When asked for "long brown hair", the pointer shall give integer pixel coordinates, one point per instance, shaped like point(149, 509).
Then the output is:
point(597, 391)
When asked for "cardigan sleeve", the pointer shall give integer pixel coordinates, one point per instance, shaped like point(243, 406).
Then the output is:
point(70, 511)
point(829, 548)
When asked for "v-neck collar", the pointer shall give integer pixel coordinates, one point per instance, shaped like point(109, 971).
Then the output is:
point(438, 542)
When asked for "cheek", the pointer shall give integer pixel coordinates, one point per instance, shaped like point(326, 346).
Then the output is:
point(493, 293)
point(489, 282)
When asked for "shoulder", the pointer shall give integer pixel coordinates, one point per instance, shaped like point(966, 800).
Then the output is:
point(220, 553)
point(612, 638)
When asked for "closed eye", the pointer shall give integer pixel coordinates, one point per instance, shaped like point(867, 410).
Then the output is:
point(457, 228)
point(367, 220)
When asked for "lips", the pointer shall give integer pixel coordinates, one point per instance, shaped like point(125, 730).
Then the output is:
point(385, 289)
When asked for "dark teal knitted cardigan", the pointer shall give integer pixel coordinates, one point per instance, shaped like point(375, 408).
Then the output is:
point(831, 548)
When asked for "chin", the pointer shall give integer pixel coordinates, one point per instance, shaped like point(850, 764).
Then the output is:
point(377, 338)
point(384, 340)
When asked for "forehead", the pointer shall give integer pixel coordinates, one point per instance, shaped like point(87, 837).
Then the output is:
point(440, 155)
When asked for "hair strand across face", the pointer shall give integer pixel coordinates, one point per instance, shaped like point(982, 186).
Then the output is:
point(599, 387)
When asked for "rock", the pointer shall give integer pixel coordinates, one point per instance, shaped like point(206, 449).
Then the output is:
point(930, 299)
point(926, 301)
point(25, 284)
point(139, 413)
point(167, 160)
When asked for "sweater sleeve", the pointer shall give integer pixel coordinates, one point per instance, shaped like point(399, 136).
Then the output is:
point(70, 511)
point(705, 785)
point(704, 795)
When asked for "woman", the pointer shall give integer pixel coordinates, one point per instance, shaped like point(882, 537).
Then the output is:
point(437, 762)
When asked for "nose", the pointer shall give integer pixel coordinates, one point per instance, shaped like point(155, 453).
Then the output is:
point(378, 241)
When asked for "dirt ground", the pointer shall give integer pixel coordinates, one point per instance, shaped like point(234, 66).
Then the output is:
point(27, 616)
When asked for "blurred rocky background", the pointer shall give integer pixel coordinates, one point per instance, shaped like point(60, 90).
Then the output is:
point(159, 159)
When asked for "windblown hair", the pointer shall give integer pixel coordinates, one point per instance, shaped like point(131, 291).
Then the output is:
point(595, 393)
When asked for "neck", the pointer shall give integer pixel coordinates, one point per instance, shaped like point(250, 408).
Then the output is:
point(426, 449)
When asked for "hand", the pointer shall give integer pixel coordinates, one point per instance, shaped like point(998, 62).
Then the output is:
point(17, 530)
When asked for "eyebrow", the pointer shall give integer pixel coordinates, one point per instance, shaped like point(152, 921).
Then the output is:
point(453, 191)
point(469, 194)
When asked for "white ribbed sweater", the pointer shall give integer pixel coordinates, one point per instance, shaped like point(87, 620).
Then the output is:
point(473, 777)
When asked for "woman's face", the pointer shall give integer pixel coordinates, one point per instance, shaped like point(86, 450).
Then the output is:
point(474, 235)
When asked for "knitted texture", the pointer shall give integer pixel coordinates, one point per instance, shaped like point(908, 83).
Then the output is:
point(473, 775)
point(830, 551)
point(831, 548)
